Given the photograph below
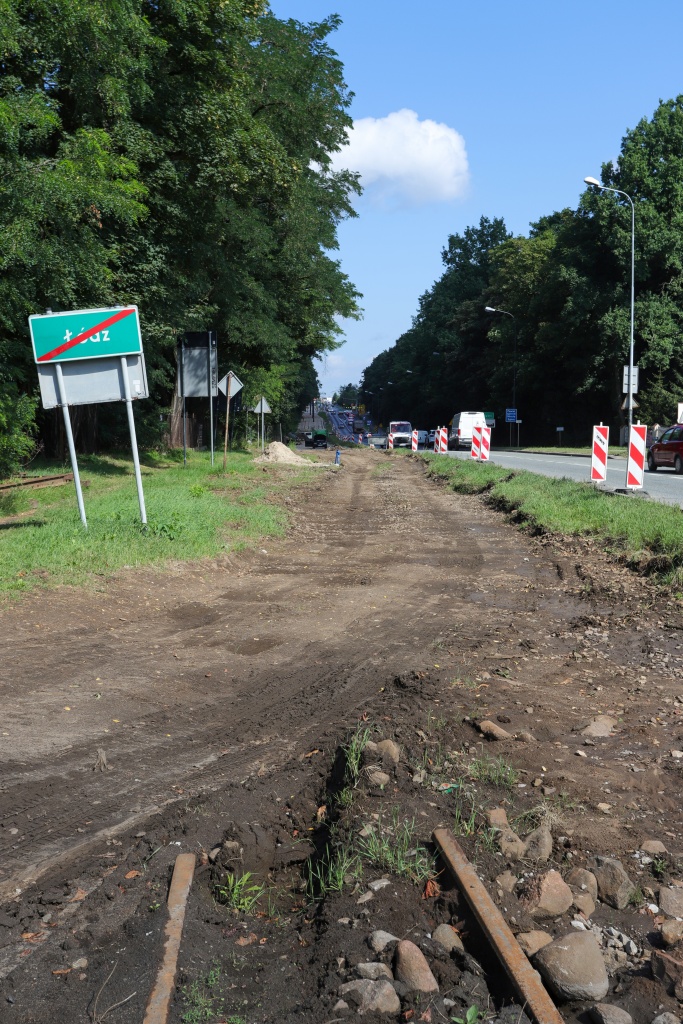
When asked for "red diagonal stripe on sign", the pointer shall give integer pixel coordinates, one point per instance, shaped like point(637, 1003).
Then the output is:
point(86, 334)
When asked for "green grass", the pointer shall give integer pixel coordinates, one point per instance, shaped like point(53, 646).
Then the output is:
point(392, 845)
point(564, 449)
point(239, 892)
point(647, 534)
point(192, 512)
point(202, 1000)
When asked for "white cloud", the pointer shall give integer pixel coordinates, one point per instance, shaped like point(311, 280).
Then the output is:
point(405, 160)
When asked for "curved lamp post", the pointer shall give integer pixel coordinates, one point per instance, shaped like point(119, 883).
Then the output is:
point(618, 191)
point(504, 312)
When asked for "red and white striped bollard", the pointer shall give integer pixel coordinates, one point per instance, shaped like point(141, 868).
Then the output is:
point(599, 454)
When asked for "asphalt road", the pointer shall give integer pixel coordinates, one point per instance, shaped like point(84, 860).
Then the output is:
point(665, 485)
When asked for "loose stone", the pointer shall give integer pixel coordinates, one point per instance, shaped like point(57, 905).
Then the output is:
point(412, 968)
point(573, 967)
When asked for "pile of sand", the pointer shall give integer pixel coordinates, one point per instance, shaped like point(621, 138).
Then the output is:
point(277, 452)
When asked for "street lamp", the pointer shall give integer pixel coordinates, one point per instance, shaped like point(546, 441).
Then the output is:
point(504, 312)
point(606, 188)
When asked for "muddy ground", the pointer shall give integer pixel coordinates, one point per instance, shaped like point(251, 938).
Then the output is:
point(210, 704)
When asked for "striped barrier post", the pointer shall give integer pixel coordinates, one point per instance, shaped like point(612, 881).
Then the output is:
point(414, 441)
point(475, 450)
point(437, 439)
point(443, 441)
point(599, 454)
point(635, 467)
point(485, 444)
point(390, 440)
point(360, 439)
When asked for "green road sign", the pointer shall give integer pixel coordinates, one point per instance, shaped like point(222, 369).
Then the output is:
point(85, 334)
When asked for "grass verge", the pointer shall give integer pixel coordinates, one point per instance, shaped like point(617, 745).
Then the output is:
point(193, 512)
point(646, 535)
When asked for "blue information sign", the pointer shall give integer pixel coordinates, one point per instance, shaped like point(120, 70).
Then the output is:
point(510, 415)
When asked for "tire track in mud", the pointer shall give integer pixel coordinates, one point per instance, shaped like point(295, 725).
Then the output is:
point(195, 674)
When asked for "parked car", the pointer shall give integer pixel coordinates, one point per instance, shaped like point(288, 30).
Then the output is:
point(667, 450)
point(319, 439)
point(308, 439)
point(431, 437)
point(422, 439)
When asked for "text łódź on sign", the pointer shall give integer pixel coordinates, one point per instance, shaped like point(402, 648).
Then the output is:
point(85, 334)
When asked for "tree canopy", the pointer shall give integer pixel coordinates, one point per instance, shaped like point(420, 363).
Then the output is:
point(175, 154)
point(567, 289)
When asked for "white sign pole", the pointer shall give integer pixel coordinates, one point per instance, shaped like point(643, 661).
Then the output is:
point(263, 428)
point(210, 351)
point(133, 440)
point(227, 420)
point(70, 441)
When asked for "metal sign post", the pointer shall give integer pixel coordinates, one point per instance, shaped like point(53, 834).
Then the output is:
point(229, 386)
point(262, 407)
point(511, 417)
point(99, 353)
point(210, 389)
point(198, 376)
point(70, 441)
point(133, 441)
point(182, 389)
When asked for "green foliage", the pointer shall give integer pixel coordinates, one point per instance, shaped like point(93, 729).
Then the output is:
point(472, 1016)
point(392, 845)
point(353, 751)
point(176, 155)
point(332, 872)
point(567, 288)
point(494, 770)
point(239, 892)
point(16, 431)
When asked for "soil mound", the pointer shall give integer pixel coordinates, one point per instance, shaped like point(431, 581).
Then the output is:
point(278, 452)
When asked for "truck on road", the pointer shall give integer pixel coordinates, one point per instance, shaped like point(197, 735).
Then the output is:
point(403, 433)
point(461, 429)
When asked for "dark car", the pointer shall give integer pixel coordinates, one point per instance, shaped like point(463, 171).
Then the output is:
point(308, 439)
point(667, 451)
point(319, 439)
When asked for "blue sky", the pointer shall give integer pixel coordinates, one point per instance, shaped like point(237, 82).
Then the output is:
point(525, 99)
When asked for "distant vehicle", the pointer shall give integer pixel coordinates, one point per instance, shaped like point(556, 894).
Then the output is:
point(358, 426)
point(431, 437)
point(377, 440)
point(667, 451)
point(422, 438)
point(308, 439)
point(461, 429)
point(403, 433)
point(319, 439)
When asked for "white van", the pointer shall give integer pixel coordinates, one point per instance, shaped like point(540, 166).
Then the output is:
point(461, 429)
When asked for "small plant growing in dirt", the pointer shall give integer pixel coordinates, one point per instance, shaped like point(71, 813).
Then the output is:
point(202, 1002)
point(494, 770)
point(393, 847)
point(473, 1015)
point(465, 824)
point(436, 723)
point(332, 872)
point(637, 898)
point(239, 893)
point(659, 867)
point(354, 754)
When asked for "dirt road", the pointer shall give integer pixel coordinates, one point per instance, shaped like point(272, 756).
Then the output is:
point(138, 695)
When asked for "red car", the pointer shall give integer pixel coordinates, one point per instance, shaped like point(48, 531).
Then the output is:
point(667, 451)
